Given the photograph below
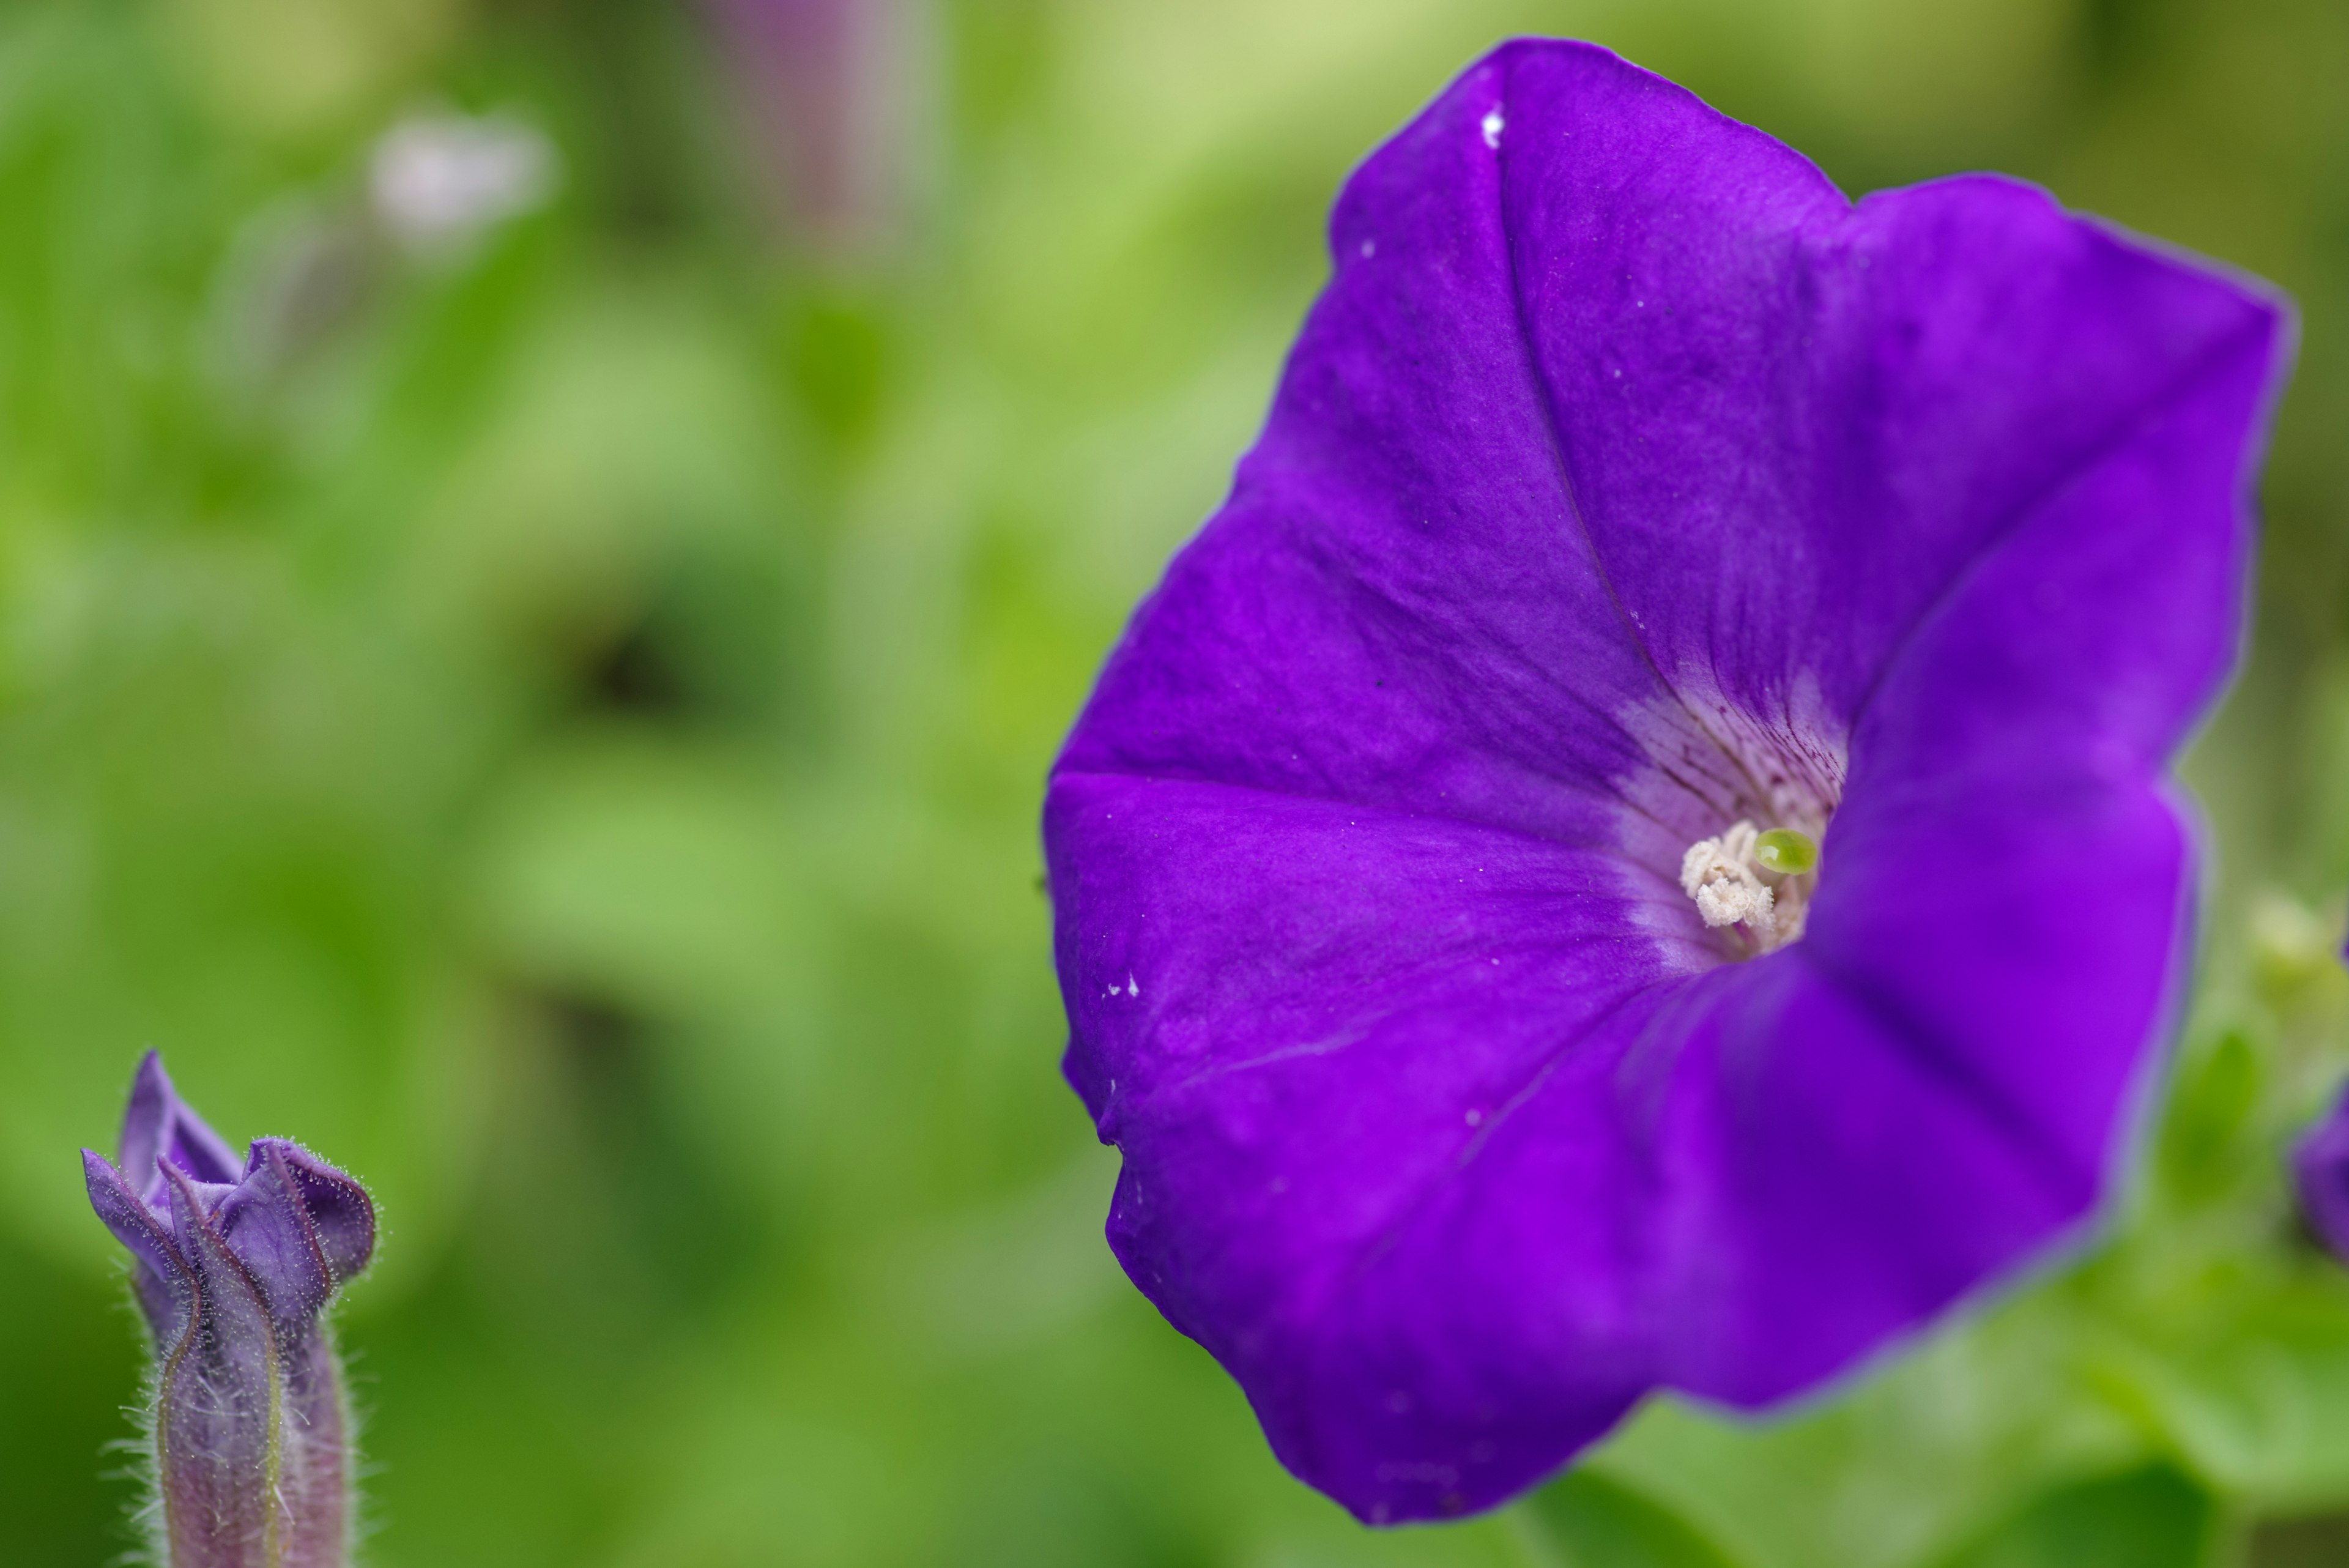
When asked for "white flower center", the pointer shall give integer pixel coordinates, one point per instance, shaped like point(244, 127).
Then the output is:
point(1734, 886)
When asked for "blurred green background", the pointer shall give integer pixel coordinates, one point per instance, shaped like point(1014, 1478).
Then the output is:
point(531, 672)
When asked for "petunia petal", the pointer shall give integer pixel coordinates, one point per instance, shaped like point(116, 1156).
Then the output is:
point(159, 1125)
point(2090, 638)
point(2011, 905)
point(1315, 1019)
point(2320, 1167)
point(161, 1275)
point(1789, 424)
point(1394, 607)
point(1938, 1091)
point(299, 1227)
point(338, 1207)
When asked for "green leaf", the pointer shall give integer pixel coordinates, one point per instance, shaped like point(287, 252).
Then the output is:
point(1583, 1519)
point(2202, 1134)
point(2318, 1542)
point(2151, 1517)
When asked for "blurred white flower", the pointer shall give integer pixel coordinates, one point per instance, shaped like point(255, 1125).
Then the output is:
point(438, 179)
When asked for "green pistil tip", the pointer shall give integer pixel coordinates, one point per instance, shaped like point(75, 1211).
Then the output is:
point(1787, 852)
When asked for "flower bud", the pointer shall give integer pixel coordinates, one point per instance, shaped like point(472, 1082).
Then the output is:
point(234, 1266)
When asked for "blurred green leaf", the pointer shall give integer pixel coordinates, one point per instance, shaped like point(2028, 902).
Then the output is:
point(2154, 1517)
point(2322, 1542)
point(2251, 1386)
point(1583, 1519)
point(2214, 1095)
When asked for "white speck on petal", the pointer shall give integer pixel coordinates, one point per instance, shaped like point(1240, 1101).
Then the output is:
point(1370, 247)
point(1130, 989)
point(1493, 124)
point(1476, 1118)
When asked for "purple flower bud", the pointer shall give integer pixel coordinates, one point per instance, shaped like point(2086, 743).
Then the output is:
point(2320, 1167)
point(234, 1266)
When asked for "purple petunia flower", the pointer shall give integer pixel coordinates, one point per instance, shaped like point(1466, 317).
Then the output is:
point(232, 1267)
point(1635, 850)
point(2319, 1168)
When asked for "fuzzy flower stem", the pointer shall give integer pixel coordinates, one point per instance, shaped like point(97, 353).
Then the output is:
point(233, 1267)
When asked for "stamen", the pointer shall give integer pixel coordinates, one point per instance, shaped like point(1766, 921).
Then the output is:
point(1719, 874)
point(1726, 876)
